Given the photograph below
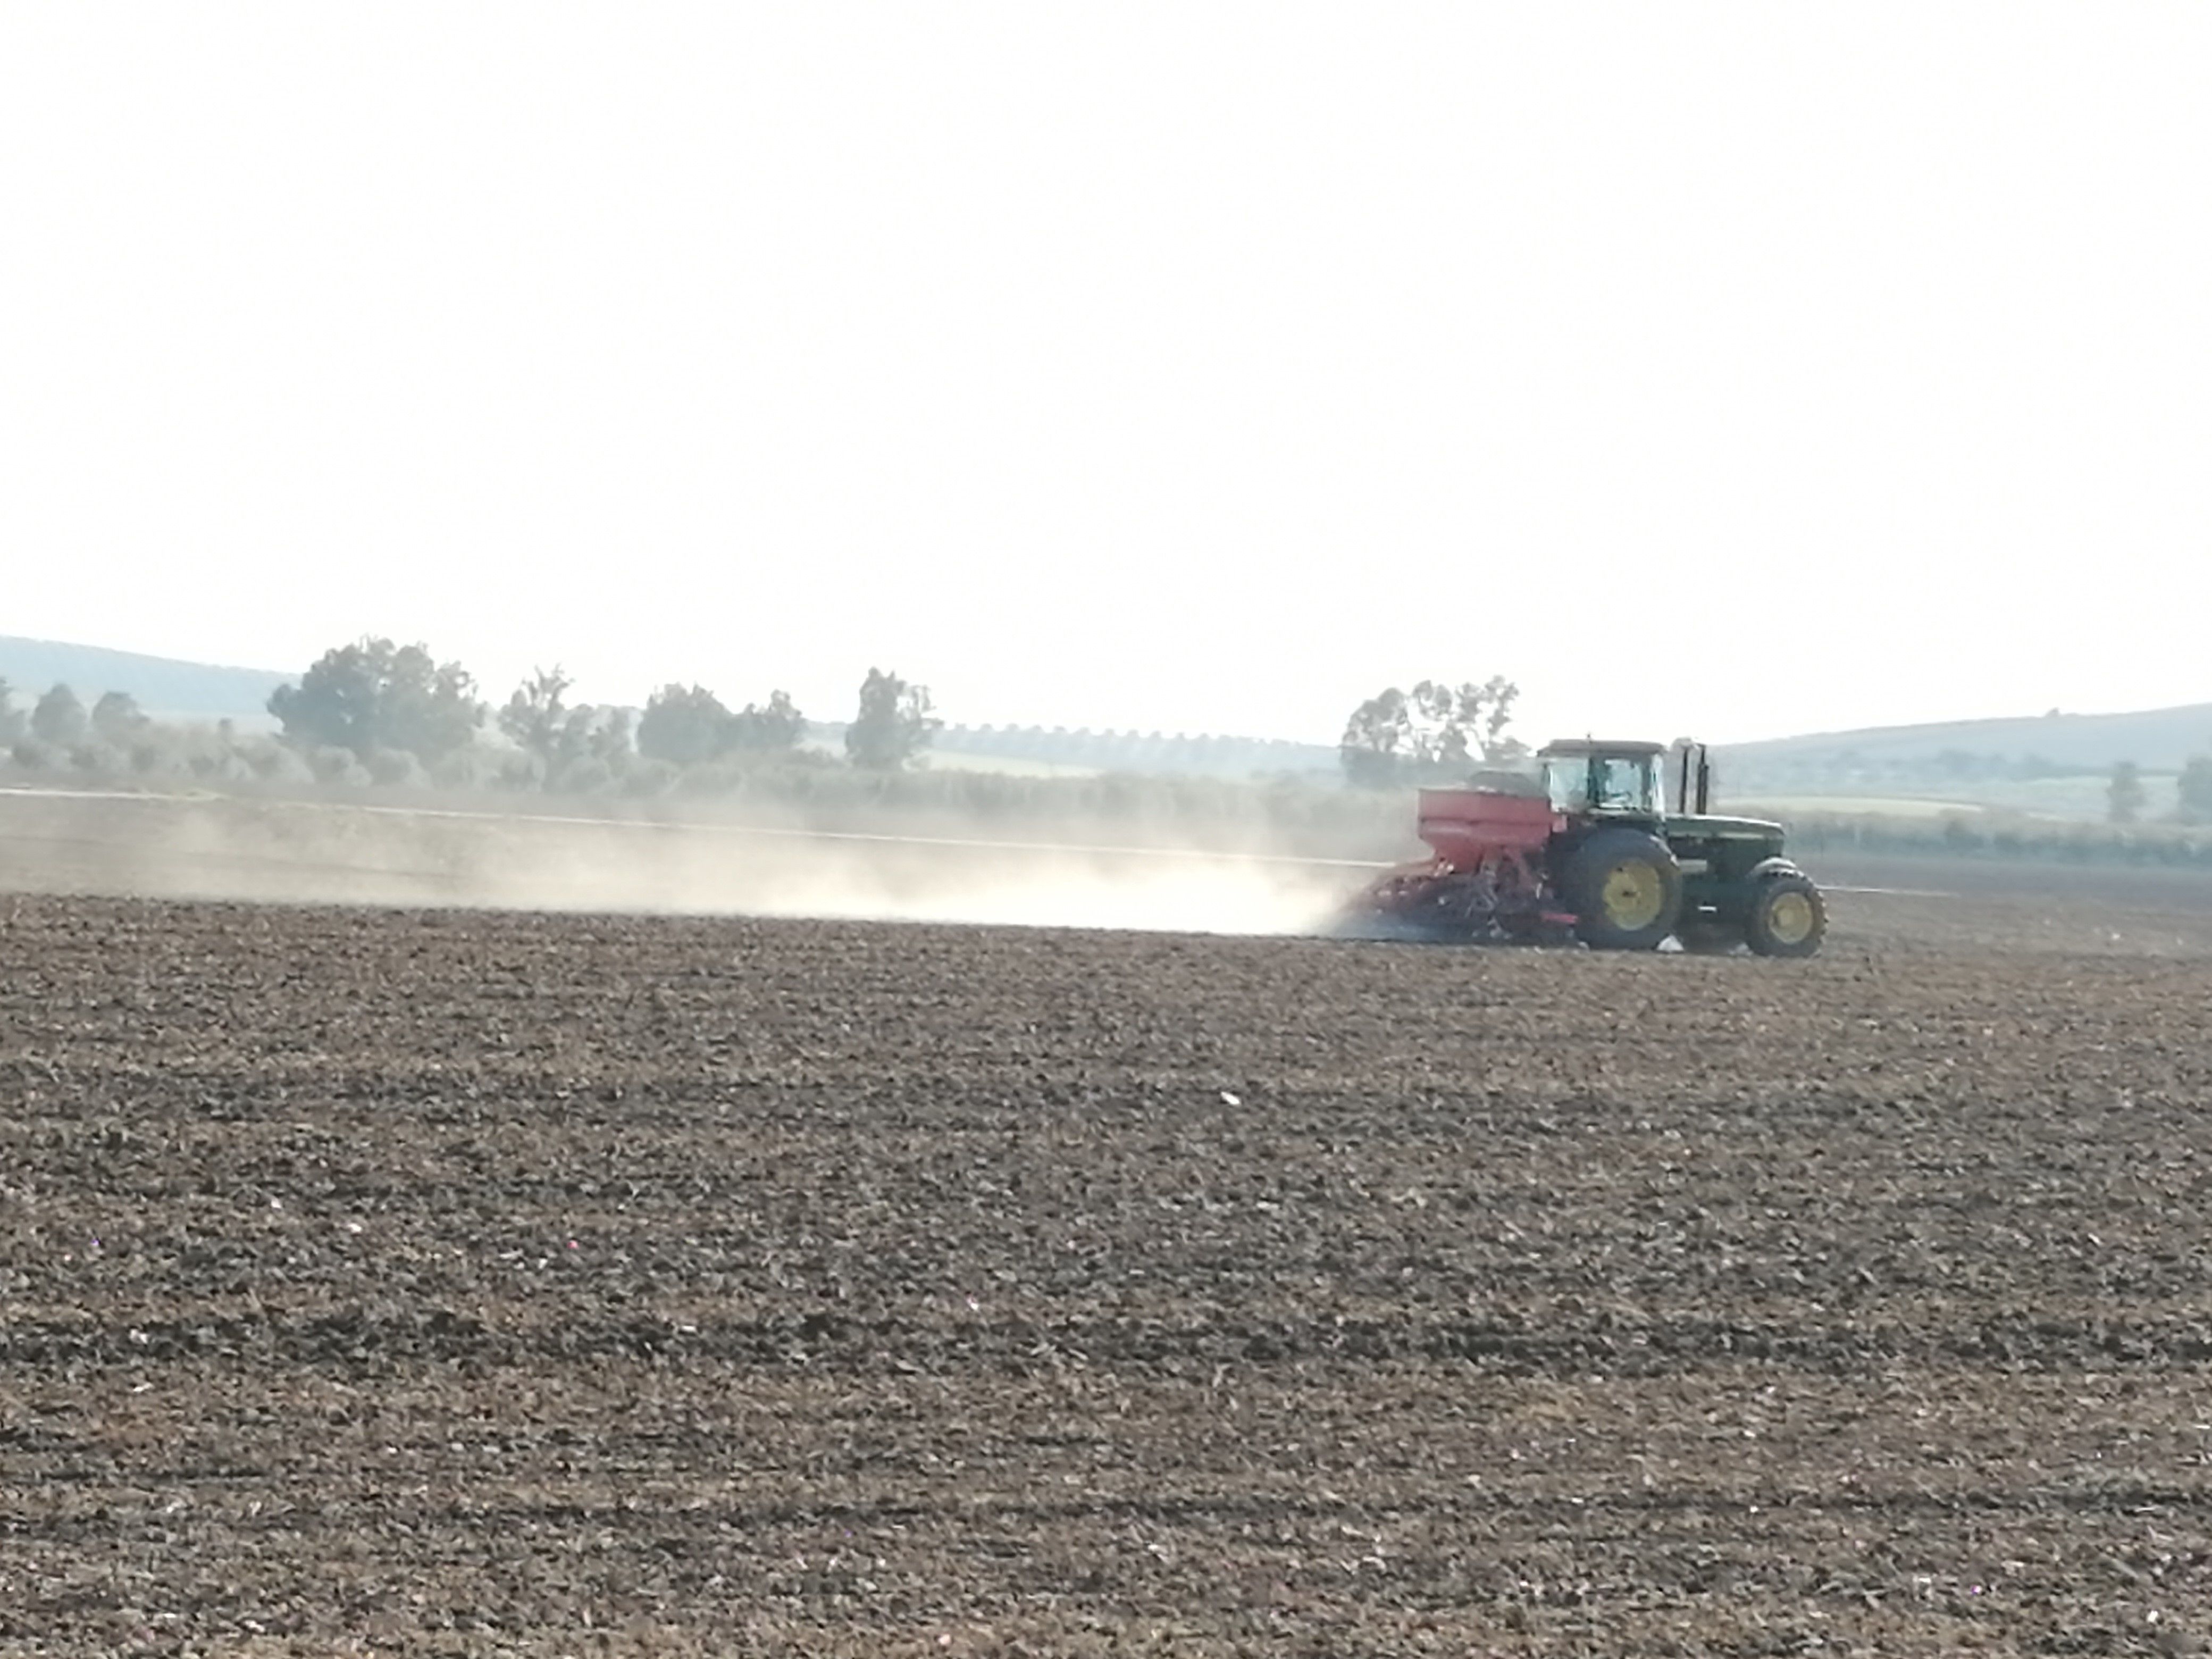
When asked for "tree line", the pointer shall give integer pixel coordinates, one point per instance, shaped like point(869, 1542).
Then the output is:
point(60, 720)
point(1151, 752)
point(374, 712)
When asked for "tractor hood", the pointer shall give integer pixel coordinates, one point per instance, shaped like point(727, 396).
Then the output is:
point(1723, 829)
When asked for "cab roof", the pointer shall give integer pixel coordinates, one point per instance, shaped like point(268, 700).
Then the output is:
point(1568, 747)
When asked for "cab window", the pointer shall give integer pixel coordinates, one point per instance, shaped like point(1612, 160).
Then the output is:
point(1622, 784)
point(1567, 782)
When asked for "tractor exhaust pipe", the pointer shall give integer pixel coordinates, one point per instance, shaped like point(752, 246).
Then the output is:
point(1693, 778)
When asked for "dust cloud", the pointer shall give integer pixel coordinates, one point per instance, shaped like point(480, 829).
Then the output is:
point(320, 852)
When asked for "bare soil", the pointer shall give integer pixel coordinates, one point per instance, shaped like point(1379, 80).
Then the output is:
point(463, 1281)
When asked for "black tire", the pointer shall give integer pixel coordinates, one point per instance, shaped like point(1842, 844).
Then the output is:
point(1708, 937)
point(1625, 889)
point(1788, 916)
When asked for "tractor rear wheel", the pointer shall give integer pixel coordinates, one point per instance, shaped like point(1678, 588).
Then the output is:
point(1788, 916)
point(1625, 889)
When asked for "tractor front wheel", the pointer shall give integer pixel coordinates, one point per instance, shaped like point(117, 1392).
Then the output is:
point(1788, 918)
point(1625, 889)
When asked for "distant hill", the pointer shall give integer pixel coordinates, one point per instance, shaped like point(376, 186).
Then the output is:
point(162, 685)
point(2157, 739)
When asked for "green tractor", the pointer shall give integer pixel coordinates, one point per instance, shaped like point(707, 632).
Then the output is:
point(1590, 849)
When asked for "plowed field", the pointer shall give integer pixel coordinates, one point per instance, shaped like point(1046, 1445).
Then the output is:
point(474, 1283)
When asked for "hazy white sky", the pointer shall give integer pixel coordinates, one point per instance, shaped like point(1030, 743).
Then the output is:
point(1737, 369)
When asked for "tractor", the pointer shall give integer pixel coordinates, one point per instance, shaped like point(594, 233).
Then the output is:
point(1588, 850)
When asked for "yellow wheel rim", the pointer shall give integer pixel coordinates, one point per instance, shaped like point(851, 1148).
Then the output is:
point(1633, 895)
point(1790, 918)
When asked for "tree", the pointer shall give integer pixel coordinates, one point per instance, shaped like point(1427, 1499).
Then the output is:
point(59, 718)
point(1436, 731)
point(2196, 790)
point(894, 724)
point(373, 695)
point(116, 718)
point(593, 733)
point(773, 730)
point(2124, 795)
point(590, 751)
point(683, 725)
point(11, 718)
point(688, 725)
point(536, 715)
point(1375, 740)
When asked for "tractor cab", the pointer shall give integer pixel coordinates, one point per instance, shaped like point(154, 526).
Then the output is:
point(1585, 778)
